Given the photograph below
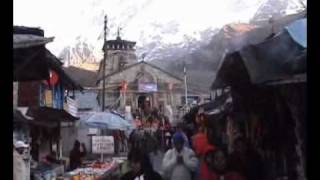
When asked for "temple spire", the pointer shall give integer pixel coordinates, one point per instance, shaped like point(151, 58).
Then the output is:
point(118, 33)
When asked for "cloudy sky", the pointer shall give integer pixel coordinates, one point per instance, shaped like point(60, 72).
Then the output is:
point(140, 19)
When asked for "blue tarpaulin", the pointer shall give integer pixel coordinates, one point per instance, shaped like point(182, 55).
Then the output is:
point(298, 31)
point(106, 120)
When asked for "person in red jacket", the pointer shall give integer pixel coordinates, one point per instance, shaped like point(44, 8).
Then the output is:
point(200, 141)
point(199, 144)
point(215, 166)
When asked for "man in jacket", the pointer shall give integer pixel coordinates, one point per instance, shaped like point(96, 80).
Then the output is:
point(180, 161)
point(141, 167)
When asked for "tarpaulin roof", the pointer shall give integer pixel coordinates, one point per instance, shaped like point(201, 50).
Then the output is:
point(107, 120)
point(50, 114)
point(29, 64)
point(276, 58)
point(85, 77)
point(240, 35)
point(32, 61)
point(29, 40)
point(20, 117)
point(267, 61)
point(29, 54)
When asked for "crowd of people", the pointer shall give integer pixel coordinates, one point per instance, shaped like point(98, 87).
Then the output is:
point(191, 158)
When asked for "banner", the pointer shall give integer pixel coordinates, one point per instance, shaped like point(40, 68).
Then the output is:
point(148, 87)
point(102, 144)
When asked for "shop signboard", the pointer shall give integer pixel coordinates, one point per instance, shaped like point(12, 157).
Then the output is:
point(147, 87)
point(102, 144)
point(72, 107)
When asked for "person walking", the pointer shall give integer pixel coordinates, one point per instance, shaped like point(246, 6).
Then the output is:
point(76, 155)
point(156, 157)
point(19, 165)
point(141, 167)
point(199, 144)
point(179, 162)
point(180, 130)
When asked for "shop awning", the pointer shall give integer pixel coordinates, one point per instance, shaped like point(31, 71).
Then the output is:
point(46, 114)
point(20, 117)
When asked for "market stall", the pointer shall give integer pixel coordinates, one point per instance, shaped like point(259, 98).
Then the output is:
point(95, 171)
point(107, 166)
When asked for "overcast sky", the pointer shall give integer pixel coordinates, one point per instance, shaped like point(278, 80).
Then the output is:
point(140, 19)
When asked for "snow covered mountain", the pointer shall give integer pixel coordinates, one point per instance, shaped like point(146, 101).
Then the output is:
point(79, 53)
point(163, 42)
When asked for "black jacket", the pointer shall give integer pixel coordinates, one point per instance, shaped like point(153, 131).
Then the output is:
point(146, 176)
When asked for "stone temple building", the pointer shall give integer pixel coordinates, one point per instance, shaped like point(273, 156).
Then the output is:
point(146, 85)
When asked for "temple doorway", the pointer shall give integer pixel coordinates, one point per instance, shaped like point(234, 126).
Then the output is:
point(145, 102)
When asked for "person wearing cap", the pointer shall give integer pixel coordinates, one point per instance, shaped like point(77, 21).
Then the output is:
point(20, 146)
point(180, 130)
point(19, 165)
point(179, 162)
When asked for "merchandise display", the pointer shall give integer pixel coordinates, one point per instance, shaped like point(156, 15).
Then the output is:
point(93, 171)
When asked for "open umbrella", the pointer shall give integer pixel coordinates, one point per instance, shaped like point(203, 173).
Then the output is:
point(106, 120)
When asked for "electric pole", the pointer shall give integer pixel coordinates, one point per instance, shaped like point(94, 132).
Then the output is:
point(185, 84)
point(104, 62)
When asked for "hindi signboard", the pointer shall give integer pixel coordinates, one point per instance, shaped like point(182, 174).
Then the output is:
point(102, 144)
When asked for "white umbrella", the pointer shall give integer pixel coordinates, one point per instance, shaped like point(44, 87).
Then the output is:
point(106, 120)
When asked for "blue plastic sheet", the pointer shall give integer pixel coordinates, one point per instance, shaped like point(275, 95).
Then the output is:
point(298, 31)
